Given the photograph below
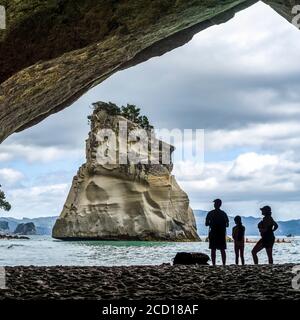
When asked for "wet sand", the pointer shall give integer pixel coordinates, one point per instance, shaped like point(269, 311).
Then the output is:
point(151, 282)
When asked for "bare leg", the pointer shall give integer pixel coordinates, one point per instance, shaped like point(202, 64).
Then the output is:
point(242, 255)
point(223, 254)
point(270, 255)
point(258, 247)
point(213, 256)
point(236, 250)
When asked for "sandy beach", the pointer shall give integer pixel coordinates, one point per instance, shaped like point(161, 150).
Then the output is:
point(151, 282)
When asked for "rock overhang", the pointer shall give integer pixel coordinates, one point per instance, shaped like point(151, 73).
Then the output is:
point(54, 51)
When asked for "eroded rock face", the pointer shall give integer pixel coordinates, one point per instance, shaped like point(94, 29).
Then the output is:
point(26, 229)
point(54, 51)
point(124, 201)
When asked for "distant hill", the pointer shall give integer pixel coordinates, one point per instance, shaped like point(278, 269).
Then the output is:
point(43, 225)
point(285, 227)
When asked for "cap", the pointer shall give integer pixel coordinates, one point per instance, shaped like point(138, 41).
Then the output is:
point(266, 208)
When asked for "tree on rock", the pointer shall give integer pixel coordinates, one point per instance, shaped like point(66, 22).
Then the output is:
point(3, 203)
point(132, 113)
point(144, 123)
point(110, 108)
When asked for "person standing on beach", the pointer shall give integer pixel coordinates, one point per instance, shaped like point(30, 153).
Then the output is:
point(266, 228)
point(217, 221)
point(238, 235)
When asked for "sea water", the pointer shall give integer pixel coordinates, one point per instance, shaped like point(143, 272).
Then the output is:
point(46, 251)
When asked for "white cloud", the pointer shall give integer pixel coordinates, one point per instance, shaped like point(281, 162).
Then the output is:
point(37, 191)
point(250, 176)
point(260, 36)
point(275, 136)
point(10, 176)
point(4, 156)
point(246, 184)
point(37, 201)
point(249, 164)
point(35, 153)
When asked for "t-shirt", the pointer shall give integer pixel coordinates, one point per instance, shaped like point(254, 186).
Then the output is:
point(238, 233)
point(266, 227)
point(217, 220)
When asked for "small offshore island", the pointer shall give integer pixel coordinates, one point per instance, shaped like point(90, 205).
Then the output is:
point(113, 201)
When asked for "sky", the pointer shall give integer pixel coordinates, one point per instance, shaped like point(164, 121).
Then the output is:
point(238, 81)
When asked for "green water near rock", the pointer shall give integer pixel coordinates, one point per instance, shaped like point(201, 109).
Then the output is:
point(43, 250)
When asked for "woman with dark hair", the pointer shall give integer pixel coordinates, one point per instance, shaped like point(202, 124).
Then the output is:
point(266, 228)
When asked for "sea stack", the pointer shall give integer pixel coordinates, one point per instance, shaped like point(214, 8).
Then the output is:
point(110, 200)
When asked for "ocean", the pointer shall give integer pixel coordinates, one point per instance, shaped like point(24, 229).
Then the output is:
point(45, 251)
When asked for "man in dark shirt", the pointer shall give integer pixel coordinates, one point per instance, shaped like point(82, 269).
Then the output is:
point(217, 221)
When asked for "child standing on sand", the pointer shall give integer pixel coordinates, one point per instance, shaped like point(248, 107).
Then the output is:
point(238, 235)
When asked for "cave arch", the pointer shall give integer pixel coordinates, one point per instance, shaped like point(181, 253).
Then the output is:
point(42, 74)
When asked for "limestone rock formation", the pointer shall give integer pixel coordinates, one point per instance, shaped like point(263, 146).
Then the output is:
point(26, 229)
point(54, 51)
point(124, 201)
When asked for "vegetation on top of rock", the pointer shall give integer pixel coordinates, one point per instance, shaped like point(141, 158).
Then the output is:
point(5, 205)
point(130, 112)
point(111, 108)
